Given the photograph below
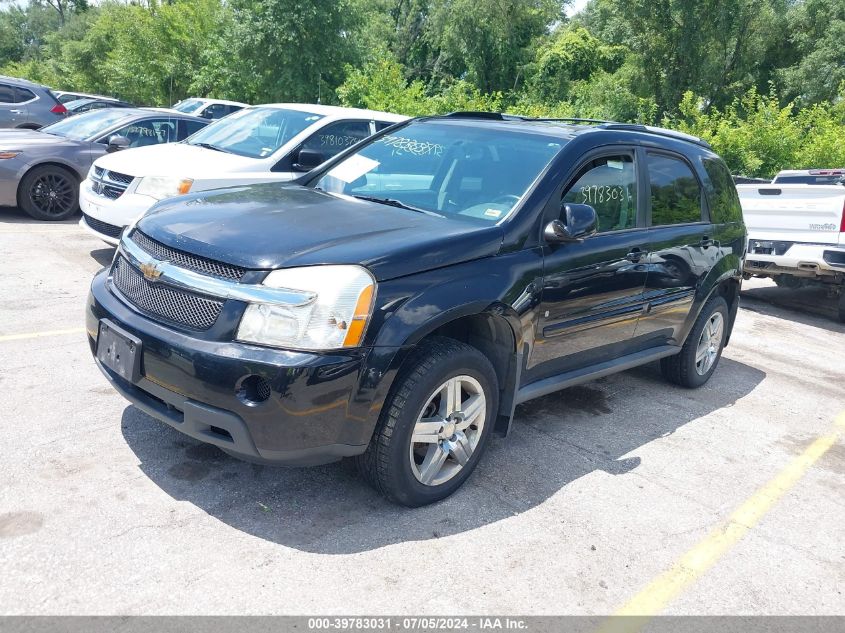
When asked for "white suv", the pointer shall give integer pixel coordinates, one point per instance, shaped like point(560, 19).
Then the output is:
point(267, 143)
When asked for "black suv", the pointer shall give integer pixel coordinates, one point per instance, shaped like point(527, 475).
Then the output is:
point(397, 303)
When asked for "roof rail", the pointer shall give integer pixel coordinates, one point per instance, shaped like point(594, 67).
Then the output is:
point(569, 120)
point(660, 131)
point(469, 114)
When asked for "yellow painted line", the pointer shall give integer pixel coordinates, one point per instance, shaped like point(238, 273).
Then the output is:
point(28, 335)
point(697, 561)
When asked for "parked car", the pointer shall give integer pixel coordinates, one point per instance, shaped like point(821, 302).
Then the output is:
point(259, 144)
point(64, 96)
point(796, 234)
point(40, 170)
point(208, 108)
point(86, 104)
point(398, 302)
point(24, 104)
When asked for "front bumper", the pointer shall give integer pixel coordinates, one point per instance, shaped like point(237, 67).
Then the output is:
point(321, 407)
point(118, 213)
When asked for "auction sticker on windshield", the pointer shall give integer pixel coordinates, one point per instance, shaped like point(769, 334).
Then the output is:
point(353, 168)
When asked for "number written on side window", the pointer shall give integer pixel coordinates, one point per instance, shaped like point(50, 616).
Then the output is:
point(609, 185)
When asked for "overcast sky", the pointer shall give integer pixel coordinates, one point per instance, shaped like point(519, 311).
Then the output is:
point(575, 7)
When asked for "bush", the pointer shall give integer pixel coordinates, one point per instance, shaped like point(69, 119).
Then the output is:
point(758, 137)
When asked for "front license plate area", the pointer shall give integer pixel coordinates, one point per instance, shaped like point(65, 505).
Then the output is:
point(119, 351)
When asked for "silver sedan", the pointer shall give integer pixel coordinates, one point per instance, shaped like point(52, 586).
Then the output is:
point(40, 170)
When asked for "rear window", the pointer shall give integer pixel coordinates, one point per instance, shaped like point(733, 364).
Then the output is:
point(808, 180)
point(724, 201)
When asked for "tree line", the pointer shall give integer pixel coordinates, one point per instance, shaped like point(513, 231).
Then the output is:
point(763, 80)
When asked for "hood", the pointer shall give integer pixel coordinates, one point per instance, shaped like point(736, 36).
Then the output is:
point(20, 139)
point(178, 160)
point(272, 226)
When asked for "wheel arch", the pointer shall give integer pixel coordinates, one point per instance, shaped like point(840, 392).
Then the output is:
point(489, 331)
point(48, 163)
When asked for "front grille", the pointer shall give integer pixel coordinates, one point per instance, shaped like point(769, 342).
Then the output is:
point(177, 306)
point(115, 176)
point(103, 227)
point(187, 260)
point(109, 184)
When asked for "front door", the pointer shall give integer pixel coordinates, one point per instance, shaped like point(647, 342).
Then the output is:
point(681, 247)
point(593, 290)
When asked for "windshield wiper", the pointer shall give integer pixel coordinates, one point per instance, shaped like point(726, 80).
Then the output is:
point(391, 202)
point(210, 146)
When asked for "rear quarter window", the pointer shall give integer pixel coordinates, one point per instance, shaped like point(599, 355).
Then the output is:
point(724, 201)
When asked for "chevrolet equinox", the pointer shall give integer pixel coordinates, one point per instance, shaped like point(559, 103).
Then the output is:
point(396, 304)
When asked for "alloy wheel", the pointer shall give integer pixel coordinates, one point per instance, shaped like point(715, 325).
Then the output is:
point(52, 194)
point(448, 430)
point(709, 343)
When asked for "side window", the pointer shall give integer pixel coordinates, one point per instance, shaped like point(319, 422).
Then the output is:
point(7, 94)
point(150, 132)
point(216, 111)
point(380, 125)
point(22, 95)
point(336, 137)
point(675, 192)
point(234, 108)
point(186, 128)
point(724, 201)
point(609, 185)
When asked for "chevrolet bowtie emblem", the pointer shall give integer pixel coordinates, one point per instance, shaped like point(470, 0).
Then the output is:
point(151, 271)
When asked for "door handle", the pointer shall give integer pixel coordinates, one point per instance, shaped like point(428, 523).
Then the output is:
point(635, 255)
point(16, 111)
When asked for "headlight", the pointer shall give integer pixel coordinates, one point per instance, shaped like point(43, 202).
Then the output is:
point(336, 317)
point(162, 187)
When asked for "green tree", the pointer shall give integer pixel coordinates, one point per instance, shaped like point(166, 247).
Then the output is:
point(817, 31)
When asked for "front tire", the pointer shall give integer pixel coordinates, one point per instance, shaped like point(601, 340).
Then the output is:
point(435, 424)
point(701, 352)
point(49, 193)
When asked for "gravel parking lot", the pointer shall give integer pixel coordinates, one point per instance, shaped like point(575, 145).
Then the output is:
point(626, 493)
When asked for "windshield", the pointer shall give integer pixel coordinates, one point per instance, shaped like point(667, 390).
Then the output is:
point(86, 125)
point(188, 105)
point(466, 172)
point(254, 132)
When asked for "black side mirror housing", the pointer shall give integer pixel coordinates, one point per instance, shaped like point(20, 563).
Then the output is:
point(308, 159)
point(118, 142)
point(579, 221)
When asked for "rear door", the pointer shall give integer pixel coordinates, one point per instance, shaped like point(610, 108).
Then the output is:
point(681, 246)
point(12, 114)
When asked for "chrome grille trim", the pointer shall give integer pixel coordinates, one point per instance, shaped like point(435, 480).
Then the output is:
point(191, 281)
point(187, 260)
point(109, 184)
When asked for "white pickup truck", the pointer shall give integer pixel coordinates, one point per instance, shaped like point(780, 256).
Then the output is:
point(796, 234)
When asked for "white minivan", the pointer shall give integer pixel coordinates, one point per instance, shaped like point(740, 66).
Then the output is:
point(266, 143)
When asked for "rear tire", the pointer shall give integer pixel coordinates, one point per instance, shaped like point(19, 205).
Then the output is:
point(701, 352)
point(842, 305)
point(49, 193)
point(434, 425)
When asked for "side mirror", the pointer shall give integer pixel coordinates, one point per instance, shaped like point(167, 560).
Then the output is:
point(118, 142)
point(579, 221)
point(308, 159)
